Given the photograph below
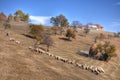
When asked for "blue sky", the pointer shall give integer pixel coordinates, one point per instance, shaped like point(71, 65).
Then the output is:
point(104, 12)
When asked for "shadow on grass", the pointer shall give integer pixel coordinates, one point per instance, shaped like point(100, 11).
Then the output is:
point(65, 39)
point(29, 36)
point(83, 53)
point(86, 54)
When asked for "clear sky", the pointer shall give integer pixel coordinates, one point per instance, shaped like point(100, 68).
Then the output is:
point(104, 12)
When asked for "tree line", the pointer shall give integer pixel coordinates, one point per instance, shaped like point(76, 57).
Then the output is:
point(19, 15)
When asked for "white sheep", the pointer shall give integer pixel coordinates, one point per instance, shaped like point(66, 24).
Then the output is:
point(18, 42)
point(39, 51)
point(101, 69)
point(42, 51)
point(87, 67)
point(52, 55)
point(96, 71)
point(12, 39)
point(91, 67)
point(71, 62)
point(79, 65)
point(84, 66)
point(36, 49)
point(57, 57)
point(31, 48)
point(49, 54)
point(63, 59)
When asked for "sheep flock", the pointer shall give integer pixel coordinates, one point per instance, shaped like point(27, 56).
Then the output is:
point(91, 68)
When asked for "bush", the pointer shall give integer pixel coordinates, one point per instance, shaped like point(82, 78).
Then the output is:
point(86, 31)
point(7, 25)
point(106, 50)
point(70, 34)
point(37, 31)
point(48, 41)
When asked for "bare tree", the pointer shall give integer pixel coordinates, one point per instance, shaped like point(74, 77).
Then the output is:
point(48, 41)
point(75, 24)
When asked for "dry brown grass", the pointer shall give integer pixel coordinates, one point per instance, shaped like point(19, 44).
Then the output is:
point(17, 62)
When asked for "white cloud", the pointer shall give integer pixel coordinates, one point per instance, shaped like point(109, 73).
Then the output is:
point(116, 25)
point(118, 3)
point(39, 19)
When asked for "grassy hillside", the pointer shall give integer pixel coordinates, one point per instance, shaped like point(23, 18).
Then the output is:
point(17, 62)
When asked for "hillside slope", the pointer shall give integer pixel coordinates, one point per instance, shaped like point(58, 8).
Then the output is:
point(17, 62)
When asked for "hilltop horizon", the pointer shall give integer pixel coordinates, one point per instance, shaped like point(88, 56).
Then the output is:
point(105, 13)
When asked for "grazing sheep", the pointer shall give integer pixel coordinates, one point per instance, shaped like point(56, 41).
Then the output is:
point(84, 66)
point(52, 55)
point(31, 48)
point(87, 67)
point(18, 42)
point(42, 51)
point(71, 62)
point(91, 67)
point(42, 48)
point(36, 49)
point(76, 64)
point(101, 69)
point(79, 65)
point(39, 51)
point(12, 39)
point(93, 70)
point(57, 57)
point(96, 71)
point(64, 59)
point(49, 54)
